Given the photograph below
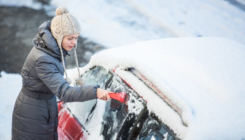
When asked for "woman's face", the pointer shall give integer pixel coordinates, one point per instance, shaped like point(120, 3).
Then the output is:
point(69, 41)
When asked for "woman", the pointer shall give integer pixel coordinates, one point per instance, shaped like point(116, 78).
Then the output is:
point(35, 114)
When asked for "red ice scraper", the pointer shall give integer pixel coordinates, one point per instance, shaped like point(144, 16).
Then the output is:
point(118, 96)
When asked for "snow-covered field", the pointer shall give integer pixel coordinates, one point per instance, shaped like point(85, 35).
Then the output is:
point(116, 23)
point(10, 85)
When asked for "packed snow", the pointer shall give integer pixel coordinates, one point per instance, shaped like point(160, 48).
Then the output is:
point(155, 104)
point(19, 3)
point(10, 86)
point(204, 77)
point(116, 23)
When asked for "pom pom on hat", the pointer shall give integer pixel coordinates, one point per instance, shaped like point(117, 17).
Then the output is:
point(61, 10)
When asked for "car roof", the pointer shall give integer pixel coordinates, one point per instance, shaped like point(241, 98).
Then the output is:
point(203, 77)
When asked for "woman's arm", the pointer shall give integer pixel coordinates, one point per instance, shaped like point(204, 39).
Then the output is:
point(51, 77)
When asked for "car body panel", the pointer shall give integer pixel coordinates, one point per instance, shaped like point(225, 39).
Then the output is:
point(68, 126)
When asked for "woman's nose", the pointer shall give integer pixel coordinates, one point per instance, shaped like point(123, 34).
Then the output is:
point(73, 42)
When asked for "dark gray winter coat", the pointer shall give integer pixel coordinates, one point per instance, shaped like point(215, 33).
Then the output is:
point(36, 119)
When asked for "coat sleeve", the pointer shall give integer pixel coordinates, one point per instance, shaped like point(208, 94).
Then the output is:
point(51, 77)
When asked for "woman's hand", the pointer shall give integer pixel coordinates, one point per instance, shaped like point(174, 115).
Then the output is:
point(103, 94)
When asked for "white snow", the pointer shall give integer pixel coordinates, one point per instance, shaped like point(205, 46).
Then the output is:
point(241, 1)
point(204, 77)
point(153, 138)
point(19, 3)
point(135, 107)
point(10, 86)
point(116, 23)
point(154, 103)
point(95, 125)
point(165, 136)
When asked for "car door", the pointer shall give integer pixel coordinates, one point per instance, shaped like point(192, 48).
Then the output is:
point(74, 116)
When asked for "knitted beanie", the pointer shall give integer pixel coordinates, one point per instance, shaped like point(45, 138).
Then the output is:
point(62, 25)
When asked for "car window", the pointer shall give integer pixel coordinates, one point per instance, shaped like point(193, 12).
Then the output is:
point(83, 110)
point(154, 129)
point(96, 76)
point(119, 118)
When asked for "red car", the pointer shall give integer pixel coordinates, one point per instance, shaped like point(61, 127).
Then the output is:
point(127, 120)
point(184, 88)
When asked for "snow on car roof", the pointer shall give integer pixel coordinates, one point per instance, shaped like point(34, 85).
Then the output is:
point(204, 77)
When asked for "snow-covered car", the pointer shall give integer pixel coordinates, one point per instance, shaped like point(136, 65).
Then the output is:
point(186, 88)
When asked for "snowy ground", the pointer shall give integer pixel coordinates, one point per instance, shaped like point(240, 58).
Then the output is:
point(116, 23)
point(8, 95)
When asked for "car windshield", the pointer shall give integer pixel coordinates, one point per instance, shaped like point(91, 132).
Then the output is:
point(95, 76)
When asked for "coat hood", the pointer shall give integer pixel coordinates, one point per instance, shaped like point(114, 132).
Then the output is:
point(46, 42)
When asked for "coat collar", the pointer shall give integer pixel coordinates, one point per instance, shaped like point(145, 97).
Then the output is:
point(46, 42)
